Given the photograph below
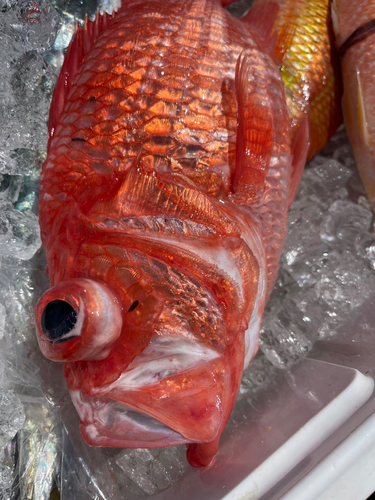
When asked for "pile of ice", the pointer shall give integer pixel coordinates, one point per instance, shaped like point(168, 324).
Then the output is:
point(327, 271)
point(327, 268)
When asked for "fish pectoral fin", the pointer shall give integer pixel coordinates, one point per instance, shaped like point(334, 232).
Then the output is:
point(254, 136)
point(362, 119)
point(300, 148)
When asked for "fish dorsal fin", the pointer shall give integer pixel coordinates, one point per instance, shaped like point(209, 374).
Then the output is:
point(300, 148)
point(260, 20)
point(82, 41)
point(285, 31)
point(254, 137)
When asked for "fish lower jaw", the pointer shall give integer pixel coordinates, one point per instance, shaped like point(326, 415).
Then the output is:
point(108, 423)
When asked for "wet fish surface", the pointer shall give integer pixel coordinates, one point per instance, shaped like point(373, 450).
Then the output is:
point(163, 205)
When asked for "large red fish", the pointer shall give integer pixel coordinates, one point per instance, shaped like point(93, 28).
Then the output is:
point(163, 209)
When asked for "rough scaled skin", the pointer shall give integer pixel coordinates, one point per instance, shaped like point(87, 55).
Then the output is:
point(309, 66)
point(136, 194)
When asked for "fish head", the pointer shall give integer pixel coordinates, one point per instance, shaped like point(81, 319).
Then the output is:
point(152, 336)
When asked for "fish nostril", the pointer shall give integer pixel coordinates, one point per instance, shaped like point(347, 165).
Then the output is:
point(58, 318)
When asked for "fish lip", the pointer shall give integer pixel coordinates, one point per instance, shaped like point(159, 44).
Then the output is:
point(180, 410)
point(107, 422)
point(164, 357)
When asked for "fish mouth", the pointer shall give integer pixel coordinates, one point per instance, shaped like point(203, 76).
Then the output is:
point(106, 422)
point(172, 393)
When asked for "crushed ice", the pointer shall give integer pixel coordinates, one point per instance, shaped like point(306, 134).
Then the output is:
point(327, 268)
point(327, 271)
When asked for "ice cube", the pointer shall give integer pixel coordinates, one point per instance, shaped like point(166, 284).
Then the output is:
point(347, 284)
point(19, 232)
point(332, 174)
point(307, 271)
point(258, 372)
point(109, 5)
point(322, 317)
point(345, 221)
point(303, 237)
point(2, 374)
point(370, 252)
point(153, 470)
point(323, 182)
point(287, 336)
point(12, 416)
point(18, 292)
point(30, 24)
point(27, 29)
point(2, 320)
point(5, 482)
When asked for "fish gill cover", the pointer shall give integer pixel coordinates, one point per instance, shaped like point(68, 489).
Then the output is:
point(326, 274)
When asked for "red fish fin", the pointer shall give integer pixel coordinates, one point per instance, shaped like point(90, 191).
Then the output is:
point(254, 137)
point(300, 148)
point(284, 39)
point(225, 3)
point(202, 454)
point(83, 39)
point(261, 19)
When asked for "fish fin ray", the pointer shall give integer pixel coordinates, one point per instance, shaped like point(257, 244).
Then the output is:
point(300, 148)
point(284, 39)
point(362, 119)
point(260, 20)
point(254, 138)
point(82, 41)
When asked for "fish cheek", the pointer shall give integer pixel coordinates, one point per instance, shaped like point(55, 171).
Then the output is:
point(137, 329)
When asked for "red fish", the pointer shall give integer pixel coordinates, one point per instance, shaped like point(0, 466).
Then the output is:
point(163, 209)
point(354, 24)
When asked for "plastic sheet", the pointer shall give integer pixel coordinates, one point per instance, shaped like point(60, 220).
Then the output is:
point(327, 272)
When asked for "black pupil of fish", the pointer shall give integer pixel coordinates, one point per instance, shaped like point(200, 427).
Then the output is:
point(58, 318)
point(133, 306)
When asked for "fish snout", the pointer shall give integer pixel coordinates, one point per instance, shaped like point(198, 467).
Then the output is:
point(78, 319)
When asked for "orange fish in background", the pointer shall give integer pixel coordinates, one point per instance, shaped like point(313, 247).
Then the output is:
point(354, 24)
point(163, 211)
point(309, 64)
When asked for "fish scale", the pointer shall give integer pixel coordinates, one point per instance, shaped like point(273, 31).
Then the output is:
point(309, 67)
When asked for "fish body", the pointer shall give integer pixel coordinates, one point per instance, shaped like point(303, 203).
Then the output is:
point(355, 36)
point(304, 52)
point(163, 209)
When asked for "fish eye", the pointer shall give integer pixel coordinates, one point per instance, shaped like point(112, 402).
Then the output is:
point(85, 312)
point(58, 318)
